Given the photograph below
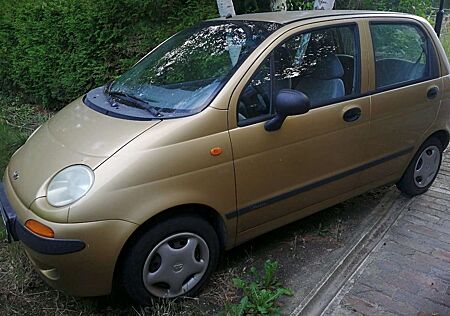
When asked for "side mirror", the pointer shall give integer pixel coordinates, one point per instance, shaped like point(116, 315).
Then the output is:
point(287, 102)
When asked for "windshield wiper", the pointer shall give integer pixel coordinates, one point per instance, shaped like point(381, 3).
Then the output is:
point(141, 104)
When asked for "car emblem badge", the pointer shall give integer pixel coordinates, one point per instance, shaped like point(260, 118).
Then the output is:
point(178, 267)
point(15, 175)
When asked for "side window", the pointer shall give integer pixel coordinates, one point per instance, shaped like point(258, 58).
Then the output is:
point(402, 54)
point(324, 64)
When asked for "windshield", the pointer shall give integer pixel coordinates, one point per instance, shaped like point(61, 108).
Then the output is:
point(183, 74)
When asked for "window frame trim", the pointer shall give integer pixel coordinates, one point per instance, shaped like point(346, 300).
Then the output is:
point(433, 67)
point(358, 55)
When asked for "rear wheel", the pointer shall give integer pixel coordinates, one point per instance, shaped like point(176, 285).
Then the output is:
point(173, 258)
point(423, 169)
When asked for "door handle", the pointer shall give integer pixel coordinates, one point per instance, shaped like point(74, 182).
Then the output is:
point(432, 93)
point(352, 115)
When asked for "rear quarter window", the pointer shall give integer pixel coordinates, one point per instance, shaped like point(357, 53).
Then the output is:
point(403, 54)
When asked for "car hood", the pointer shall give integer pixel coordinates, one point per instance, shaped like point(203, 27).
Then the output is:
point(76, 135)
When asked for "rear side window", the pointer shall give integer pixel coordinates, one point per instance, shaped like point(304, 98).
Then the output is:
point(403, 53)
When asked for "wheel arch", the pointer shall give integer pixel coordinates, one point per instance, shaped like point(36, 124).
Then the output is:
point(200, 210)
point(443, 136)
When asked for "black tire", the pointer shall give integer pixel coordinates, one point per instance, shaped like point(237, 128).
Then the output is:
point(136, 254)
point(407, 185)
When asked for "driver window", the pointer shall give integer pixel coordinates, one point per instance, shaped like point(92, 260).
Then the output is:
point(323, 64)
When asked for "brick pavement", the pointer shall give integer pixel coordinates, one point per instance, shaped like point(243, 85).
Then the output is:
point(408, 273)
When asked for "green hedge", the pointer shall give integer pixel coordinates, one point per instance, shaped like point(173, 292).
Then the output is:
point(417, 7)
point(53, 51)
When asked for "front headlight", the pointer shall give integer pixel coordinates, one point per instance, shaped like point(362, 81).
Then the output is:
point(69, 185)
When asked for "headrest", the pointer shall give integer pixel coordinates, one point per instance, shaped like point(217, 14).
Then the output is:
point(327, 68)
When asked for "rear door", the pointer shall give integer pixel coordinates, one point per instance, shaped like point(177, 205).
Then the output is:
point(313, 157)
point(406, 93)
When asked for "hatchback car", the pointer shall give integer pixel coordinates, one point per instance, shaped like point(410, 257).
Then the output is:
point(224, 132)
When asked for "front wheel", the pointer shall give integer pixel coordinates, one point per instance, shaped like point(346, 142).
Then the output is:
point(423, 169)
point(173, 258)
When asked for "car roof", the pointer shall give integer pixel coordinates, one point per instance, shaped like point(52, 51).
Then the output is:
point(286, 17)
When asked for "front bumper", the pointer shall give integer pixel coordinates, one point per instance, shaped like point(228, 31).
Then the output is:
point(15, 231)
point(8, 216)
point(80, 260)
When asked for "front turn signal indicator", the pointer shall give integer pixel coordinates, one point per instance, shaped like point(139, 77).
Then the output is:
point(216, 151)
point(39, 228)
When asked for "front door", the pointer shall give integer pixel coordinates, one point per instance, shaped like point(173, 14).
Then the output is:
point(314, 156)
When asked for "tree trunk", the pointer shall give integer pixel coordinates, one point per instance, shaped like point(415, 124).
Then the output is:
point(226, 8)
point(278, 5)
point(323, 4)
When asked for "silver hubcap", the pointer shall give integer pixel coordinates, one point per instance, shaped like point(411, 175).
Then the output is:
point(176, 265)
point(427, 166)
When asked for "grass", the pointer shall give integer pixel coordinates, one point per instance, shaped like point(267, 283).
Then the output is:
point(260, 294)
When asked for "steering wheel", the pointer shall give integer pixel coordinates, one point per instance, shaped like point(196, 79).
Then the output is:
point(249, 107)
point(261, 95)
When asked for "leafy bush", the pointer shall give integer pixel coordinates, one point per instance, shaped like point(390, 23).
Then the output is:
point(52, 51)
point(418, 7)
point(250, 6)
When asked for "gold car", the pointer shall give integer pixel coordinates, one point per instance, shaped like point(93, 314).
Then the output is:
point(224, 132)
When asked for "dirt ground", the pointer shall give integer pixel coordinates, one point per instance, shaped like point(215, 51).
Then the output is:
point(305, 251)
